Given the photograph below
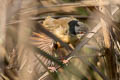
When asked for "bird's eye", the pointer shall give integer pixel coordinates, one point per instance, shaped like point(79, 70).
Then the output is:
point(81, 33)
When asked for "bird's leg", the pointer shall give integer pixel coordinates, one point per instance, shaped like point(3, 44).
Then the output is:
point(65, 61)
point(71, 46)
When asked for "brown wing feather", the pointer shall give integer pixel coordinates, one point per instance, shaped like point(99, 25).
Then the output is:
point(43, 42)
point(46, 44)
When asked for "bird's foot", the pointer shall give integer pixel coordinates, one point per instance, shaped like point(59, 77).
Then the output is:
point(65, 61)
point(52, 69)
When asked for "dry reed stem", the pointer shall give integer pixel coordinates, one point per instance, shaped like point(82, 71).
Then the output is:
point(111, 68)
point(3, 19)
point(61, 7)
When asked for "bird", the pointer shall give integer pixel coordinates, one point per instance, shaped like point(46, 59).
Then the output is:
point(68, 29)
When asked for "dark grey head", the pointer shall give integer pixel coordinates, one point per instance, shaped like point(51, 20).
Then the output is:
point(77, 28)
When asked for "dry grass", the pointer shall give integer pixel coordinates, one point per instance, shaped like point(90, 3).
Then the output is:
point(91, 59)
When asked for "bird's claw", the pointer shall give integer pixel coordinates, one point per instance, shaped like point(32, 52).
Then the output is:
point(52, 69)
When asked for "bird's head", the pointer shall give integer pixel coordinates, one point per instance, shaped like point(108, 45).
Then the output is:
point(77, 29)
point(68, 29)
point(74, 32)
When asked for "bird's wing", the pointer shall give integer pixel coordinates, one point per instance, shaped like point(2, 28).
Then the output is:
point(43, 42)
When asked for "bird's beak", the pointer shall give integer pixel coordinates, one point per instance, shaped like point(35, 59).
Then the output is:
point(79, 36)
